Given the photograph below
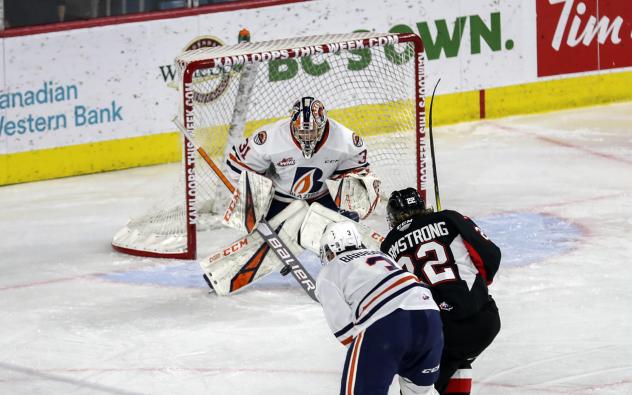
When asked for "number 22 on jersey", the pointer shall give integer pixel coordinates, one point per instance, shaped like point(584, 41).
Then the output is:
point(431, 263)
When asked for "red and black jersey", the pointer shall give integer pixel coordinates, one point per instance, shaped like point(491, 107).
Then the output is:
point(448, 252)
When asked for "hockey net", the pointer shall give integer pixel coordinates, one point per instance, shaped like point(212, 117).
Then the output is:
point(372, 83)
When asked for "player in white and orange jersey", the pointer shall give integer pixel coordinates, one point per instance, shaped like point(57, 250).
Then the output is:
point(385, 316)
point(300, 153)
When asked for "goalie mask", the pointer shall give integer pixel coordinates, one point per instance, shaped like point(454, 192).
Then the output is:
point(404, 204)
point(339, 237)
point(308, 121)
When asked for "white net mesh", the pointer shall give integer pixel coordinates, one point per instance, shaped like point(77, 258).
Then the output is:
point(369, 90)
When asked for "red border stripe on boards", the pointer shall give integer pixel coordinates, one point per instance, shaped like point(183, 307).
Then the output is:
point(141, 17)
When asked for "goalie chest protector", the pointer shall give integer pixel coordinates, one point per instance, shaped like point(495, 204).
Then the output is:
point(274, 152)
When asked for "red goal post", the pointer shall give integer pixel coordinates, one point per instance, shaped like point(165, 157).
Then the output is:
point(370, 82)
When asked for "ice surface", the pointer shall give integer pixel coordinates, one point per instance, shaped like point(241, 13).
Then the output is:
point(554, 190)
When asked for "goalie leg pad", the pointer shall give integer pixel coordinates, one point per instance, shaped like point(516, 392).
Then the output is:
point(251, 201)
point(248, 259)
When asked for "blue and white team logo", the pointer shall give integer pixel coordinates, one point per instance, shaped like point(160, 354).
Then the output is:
point(306, 182)
point(260, 138)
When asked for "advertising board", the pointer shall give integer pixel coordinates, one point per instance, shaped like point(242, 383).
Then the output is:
point(114, 83)
point(586, 35)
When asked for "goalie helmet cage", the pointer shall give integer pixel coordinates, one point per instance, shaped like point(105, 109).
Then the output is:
point(370, 82)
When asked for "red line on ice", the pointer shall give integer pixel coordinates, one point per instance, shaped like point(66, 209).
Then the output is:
point(564, 144)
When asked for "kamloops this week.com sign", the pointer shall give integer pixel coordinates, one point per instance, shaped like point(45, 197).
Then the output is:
point(586, 35)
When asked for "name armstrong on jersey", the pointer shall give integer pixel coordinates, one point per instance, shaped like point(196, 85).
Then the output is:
point(417, 236)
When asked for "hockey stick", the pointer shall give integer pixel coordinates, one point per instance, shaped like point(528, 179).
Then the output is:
point(290, 262)
point(432, 152)
point(204, 155)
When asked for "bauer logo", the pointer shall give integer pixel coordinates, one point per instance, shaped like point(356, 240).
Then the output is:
point(288, 260)
point(576, 36)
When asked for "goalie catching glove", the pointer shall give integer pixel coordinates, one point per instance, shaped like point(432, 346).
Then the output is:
point(359, 192)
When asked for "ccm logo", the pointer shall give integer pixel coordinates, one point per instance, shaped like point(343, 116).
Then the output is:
point(235, 247)
point(377, 236)
point(231, 207)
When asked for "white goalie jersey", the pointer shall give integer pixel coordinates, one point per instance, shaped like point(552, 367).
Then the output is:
point(359, 287)
point(274, 153)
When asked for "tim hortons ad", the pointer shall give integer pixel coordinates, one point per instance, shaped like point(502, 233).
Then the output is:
point(583, 35)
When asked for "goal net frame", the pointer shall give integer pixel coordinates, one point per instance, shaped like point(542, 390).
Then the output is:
point(247, 53)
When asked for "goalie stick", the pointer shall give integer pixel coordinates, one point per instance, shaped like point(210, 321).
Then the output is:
point(290, 262)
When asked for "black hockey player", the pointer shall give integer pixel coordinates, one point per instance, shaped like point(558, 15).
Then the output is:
point(448, 252)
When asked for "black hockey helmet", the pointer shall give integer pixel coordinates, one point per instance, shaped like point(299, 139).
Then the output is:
point(404, 204)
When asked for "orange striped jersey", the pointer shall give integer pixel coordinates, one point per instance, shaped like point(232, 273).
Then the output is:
point(361, 286)
point(274, 152)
